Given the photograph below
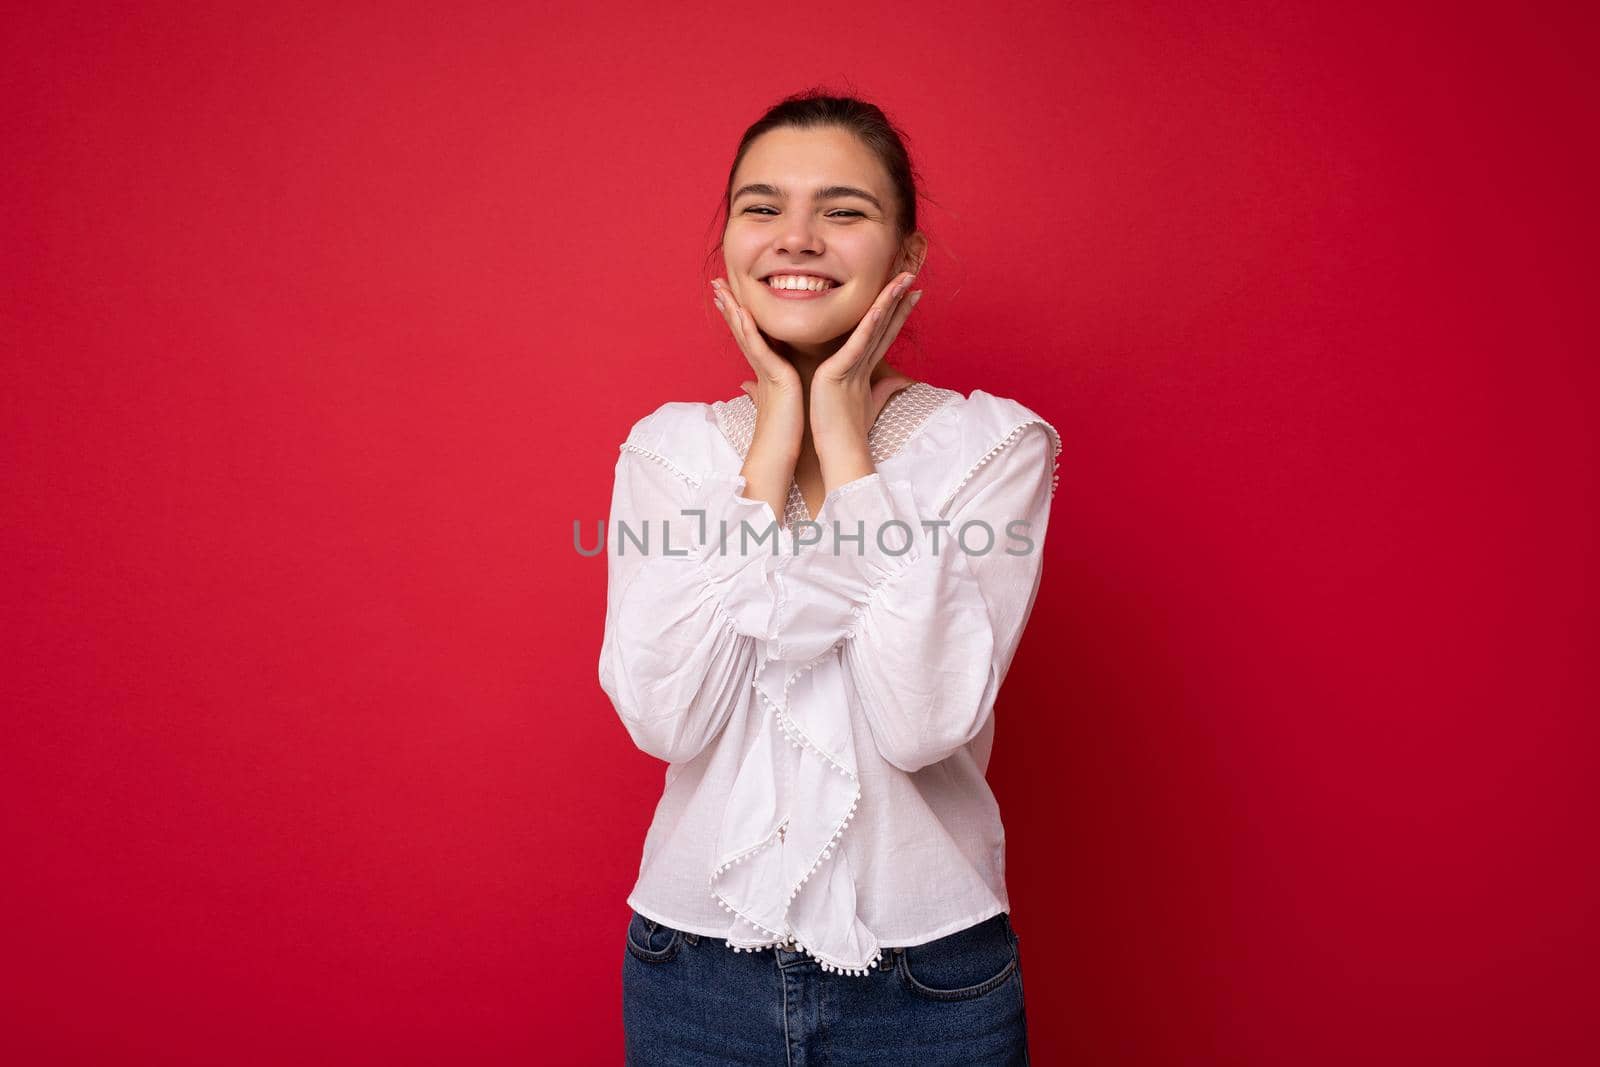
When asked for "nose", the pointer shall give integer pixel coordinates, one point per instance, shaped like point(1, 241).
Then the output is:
point(797, 235)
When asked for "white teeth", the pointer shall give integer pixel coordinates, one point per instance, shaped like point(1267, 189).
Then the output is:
point(798, 281)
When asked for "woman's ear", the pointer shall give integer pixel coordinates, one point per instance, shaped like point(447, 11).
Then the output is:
point(914, 253)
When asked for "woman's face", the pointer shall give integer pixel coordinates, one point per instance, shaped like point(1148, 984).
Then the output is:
point(812, 200)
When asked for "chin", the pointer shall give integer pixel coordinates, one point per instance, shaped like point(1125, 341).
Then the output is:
point(809, 337)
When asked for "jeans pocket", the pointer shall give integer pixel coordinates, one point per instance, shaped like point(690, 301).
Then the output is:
point(963, 965)
point(650, 941)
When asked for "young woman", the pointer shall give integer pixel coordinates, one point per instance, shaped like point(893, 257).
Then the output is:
point(825, 873)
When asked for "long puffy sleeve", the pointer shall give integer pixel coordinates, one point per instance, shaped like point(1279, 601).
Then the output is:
point(684, 612)
point(927, 635)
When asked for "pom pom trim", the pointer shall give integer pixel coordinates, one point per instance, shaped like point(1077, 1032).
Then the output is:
point(1000, 446)
point(799, 739)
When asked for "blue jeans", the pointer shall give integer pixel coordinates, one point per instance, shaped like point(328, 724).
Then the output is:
point(689, 1000)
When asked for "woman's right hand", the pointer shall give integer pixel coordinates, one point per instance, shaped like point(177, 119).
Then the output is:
point(780, 407)
point(772, 370)
point(777, 390)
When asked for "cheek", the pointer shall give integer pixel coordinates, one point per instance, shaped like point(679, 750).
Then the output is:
point(740, 251)
point(858, 303)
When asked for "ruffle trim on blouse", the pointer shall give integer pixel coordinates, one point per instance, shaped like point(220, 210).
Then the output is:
point(817, 793)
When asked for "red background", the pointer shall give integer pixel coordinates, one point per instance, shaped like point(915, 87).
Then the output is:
point(322, 325)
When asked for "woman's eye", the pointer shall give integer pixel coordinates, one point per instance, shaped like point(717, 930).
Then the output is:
point(846, 212)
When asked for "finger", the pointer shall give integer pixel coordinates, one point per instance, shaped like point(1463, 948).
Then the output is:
point(886, 308)
point(901, 313)
point(732, 313)
point(761, 358)
point(723, 301)
point(863, 340)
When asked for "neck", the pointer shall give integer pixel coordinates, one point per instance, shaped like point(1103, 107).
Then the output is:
point(806, 360)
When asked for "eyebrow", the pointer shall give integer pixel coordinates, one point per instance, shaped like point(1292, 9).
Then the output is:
point(827, 192)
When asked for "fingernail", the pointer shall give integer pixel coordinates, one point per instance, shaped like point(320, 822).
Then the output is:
point(917, 295)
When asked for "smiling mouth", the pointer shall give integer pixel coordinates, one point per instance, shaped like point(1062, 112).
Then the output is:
point(810, 289)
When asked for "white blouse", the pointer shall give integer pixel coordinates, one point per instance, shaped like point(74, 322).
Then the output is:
point(825, 703)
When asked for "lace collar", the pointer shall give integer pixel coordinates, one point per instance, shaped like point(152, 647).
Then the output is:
point(902, 416)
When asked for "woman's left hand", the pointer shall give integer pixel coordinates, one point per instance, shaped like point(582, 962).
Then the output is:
point(845, 401)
